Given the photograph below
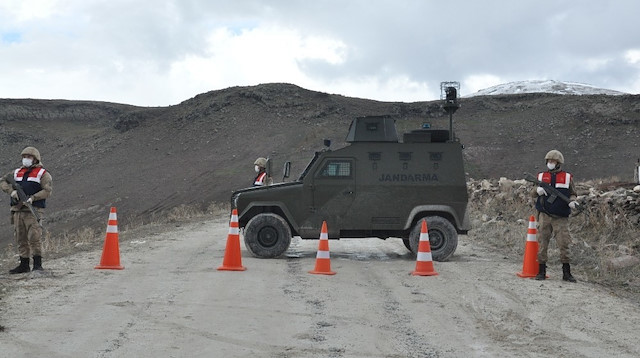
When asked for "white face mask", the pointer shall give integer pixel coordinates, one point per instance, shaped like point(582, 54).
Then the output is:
point(551, 166)
point(27, 162)
point(257, 168)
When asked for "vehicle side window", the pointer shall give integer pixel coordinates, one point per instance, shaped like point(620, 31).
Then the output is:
point(336, 169)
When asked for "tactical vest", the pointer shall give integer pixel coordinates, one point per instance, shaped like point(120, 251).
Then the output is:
point(259, 181)
point(561, 181)
point(29, 180)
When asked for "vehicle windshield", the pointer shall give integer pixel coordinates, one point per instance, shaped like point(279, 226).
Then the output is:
point(308, 167)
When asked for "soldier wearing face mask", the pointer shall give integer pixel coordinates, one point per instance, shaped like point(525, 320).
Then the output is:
point(36, 183)
point(260, 166)
point(553, 214)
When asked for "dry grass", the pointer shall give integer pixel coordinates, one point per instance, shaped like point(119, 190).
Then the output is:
point(500, 215)
point(86, 238)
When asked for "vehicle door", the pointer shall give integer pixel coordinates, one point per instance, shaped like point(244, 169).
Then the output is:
point(333, 192)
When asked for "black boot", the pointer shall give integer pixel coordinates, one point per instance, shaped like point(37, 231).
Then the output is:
point(566, 273)
point(23, 267)
point(542, 272)
point(37, 263)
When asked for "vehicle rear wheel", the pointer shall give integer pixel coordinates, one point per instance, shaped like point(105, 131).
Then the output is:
point(443, 238)
point(267, 235)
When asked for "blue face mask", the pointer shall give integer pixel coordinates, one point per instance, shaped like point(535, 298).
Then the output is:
point(27, 162)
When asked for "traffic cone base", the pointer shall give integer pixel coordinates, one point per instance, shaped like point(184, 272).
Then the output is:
point(424, 260)
point(323, 259)
point(110, 259)
point(232, 257)
point(322, 271)
point(115, 267)
point(231, 268)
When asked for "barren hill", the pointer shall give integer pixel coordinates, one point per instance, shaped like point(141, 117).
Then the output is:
point(145, 160)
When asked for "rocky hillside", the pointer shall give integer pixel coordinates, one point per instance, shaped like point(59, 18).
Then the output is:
point(146, 160)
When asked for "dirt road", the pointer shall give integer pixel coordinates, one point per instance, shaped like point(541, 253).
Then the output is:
point(170, 301)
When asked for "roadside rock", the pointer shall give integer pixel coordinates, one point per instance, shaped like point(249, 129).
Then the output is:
point(621, 262)
point(617, 198)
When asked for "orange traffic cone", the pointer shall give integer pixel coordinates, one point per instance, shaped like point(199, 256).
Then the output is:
point(323, 261)
point(424, 262)
point(111, 250)
point(232, 257)
point(530, 265)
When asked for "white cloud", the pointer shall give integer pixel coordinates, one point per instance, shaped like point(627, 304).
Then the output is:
point(595, 64)
point(162, 52)
point(632, 56)
point(474, 83)
point(231, 60)
point(253, 56)
point(26, 10)
point(394, 89)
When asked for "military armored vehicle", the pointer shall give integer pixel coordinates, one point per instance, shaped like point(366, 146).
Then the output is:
point(377, 186)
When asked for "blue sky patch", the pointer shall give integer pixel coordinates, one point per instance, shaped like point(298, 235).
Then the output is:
point(11, 37)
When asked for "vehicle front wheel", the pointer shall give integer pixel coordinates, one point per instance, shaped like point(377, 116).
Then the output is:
point(267, 235)
point(443, 238)
point(407, 244)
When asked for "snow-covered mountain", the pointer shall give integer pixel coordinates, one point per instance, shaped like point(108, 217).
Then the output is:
point(544, 86)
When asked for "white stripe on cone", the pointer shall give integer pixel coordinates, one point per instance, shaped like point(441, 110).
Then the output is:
point(424, 256)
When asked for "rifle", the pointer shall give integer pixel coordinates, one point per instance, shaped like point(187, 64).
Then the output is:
point(553, 192)
point(22, 198)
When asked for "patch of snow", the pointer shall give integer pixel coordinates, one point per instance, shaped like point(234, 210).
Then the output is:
point(544, 86)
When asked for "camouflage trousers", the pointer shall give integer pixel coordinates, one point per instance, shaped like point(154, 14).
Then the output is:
point(558, 227)
point(27, 232)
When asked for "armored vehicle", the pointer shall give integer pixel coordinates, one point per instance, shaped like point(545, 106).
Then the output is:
point(377, 186)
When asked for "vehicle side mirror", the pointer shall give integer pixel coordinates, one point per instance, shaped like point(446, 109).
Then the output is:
point(286, 170)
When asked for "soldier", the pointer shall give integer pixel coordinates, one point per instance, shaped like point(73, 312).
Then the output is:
point(260, 166)
point(553, 214)
point(36, 183)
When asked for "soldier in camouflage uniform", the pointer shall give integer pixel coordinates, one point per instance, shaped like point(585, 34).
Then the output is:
point(553, 214)
point(36, 183)
point(261, 178)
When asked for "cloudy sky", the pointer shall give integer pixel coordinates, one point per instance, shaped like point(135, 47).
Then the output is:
point(162, 52)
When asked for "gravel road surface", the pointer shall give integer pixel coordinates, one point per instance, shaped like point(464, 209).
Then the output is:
point(170, 301)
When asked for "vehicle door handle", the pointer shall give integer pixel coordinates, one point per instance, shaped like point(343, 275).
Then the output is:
point(347, 192)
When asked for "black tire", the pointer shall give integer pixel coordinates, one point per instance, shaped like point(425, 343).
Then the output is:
point(407, 244)
point(443, 237)
point(267, 235)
